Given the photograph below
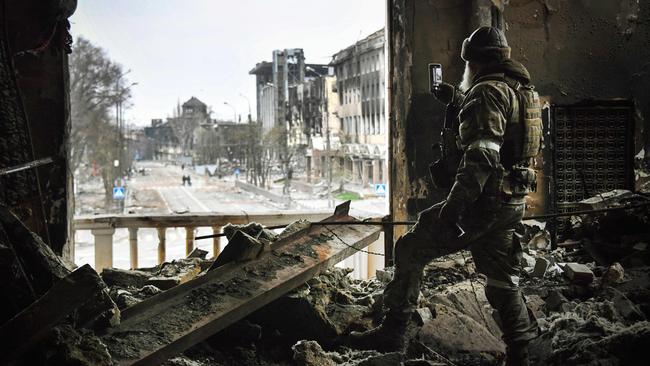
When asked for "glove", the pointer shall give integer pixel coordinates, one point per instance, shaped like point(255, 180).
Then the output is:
point(445, 93)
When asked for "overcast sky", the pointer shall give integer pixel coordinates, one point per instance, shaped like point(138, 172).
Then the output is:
point(176, 49)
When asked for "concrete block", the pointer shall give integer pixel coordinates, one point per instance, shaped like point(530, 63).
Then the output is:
point(124, 278)
point(423, 315)
point(242, 247)
point(614, 274)
point(164, 283)
point(198, 253)
point(384, 275)
point(578, 273)
point(541, 265)
point(554, 300)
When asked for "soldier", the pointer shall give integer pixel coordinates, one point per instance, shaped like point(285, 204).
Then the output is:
point(486, 200)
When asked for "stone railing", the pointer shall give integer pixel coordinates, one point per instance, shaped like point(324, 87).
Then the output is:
point(103, 227)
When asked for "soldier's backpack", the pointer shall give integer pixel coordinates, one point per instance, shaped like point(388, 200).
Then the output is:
point(522, 141)
point(524, 135)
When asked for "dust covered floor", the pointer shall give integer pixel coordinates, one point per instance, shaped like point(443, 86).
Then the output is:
point(591, 297)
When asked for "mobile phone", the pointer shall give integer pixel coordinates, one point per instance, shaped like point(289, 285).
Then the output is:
point(435, 76)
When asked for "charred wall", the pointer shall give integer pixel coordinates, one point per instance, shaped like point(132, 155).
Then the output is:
point(576, 51)
point(583, 50)
point(422, 32)
point(37, 42)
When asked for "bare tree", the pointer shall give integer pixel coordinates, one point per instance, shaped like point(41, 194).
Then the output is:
point(184, 128)
point(96, 85)
point(208, 146)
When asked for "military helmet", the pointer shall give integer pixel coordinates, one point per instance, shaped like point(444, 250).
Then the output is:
point(485, 45)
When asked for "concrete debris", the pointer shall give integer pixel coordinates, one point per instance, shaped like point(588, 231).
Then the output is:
point(607, 199)
point(384, 275)
point(423, 315)
point(590, 295)
point(461, 337)
point(293, 228)
point(540, 241)
point(578, 273)
point(198, 253)
point(241, 247)
point(614, 274)
point(69, 346)
point(253, 229)
point(124, 278)
point(310, 353)
point(164, 283)
point(555, 300)
point(528, 261)
point(75, 297)
point(541, 266)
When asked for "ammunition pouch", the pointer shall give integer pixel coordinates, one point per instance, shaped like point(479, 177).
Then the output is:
point(520, 181)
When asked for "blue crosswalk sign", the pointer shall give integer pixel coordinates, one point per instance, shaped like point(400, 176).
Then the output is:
point(380, 189)
point(118, 193)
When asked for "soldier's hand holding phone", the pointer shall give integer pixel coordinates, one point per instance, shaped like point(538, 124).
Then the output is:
point(444, 92)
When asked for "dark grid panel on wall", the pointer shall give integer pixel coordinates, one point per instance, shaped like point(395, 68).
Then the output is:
point(592, 151)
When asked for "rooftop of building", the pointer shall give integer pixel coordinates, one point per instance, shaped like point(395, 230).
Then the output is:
point(372, 42)
point(264, 67)
point(194, 102)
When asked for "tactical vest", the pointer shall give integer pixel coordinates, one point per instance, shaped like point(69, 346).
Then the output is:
point(523, 138)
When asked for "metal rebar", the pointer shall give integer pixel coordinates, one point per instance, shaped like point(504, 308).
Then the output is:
point(25, 166)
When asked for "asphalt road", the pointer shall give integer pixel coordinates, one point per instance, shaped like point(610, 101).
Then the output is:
point(204, 195)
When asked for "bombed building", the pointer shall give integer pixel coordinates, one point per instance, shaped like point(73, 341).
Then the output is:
point(467, 186)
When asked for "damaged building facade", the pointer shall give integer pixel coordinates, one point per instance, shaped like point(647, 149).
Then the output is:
point(174, 138)
point(361, 87)
point(347, 99)
point(279, 94)
point(270, 298)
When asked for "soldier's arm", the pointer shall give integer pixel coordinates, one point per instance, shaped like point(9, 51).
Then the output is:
point(483, 118)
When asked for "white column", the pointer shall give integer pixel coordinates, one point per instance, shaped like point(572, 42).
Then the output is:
point(103, 248)
point(133, 246)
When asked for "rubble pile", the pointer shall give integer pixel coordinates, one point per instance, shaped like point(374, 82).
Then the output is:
point(128, 287)
point(591, 296)
point(589, 311)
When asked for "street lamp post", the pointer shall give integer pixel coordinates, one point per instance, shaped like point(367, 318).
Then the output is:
point(249, 106)
point(233, 110)
point(120, 126)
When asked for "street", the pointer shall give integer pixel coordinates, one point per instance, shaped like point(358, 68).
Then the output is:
point(206, 194)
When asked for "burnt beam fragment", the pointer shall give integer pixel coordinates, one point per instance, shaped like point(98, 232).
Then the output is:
point(31, 325)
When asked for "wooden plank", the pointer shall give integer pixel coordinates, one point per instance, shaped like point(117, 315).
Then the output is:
point(29, 327)
point(174, 320)
point(196, 220)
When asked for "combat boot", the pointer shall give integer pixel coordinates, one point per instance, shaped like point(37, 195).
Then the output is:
point(387, 337)
point(517, 354)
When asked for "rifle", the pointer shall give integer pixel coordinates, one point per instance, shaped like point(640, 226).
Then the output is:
point(443, 170)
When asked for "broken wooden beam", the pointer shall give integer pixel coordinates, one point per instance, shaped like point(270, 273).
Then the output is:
point(124, 278)
point(168, 323)
point(29, 326)
point(241, 247)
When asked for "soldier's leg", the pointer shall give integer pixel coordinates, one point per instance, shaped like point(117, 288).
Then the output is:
point(412, 252)
point(497, 257)
point(426, 240)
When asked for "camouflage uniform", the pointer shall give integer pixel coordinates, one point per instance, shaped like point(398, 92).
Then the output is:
point(477, 203)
